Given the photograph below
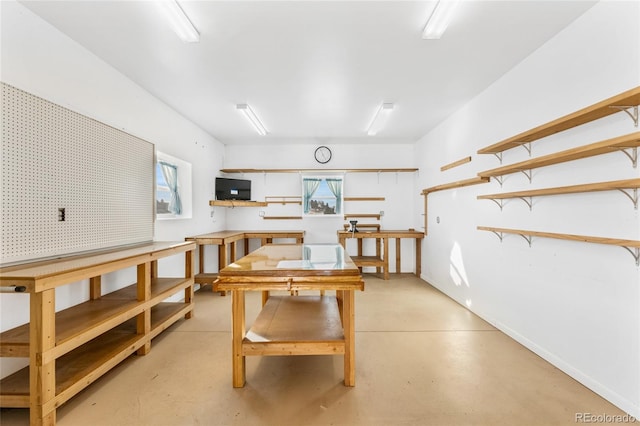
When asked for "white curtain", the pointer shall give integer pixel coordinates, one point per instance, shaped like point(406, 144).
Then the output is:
point(335, 185)
point(170, 173)
point(309, 186)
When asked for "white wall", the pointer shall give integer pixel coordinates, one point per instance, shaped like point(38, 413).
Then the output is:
point(576, 304)
point(397, 188)
point(39, 59)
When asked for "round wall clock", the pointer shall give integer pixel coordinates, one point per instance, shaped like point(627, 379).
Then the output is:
point(322, 154)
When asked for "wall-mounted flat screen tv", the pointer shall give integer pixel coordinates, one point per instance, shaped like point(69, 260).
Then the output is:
point(233, 189)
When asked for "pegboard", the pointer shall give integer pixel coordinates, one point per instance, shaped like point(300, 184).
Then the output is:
point(54, 158)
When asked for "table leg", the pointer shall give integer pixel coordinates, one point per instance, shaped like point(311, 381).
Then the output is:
point(42, 376)
point(238, 326)
point(378, 269)
point(222, 262)
point(348, 319)
point(386, 257)
point(398, 241)
point(201, 259)
point(419, 256)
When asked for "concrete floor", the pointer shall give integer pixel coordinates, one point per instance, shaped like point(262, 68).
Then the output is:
point(421, 359)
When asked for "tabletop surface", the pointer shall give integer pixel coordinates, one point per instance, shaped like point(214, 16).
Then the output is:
point(294, 259)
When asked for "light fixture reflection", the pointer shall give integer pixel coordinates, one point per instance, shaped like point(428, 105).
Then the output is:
point(380, 118)
point(439, 19)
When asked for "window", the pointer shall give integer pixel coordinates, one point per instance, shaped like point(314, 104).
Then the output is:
point(173, 187)
point(322, 195)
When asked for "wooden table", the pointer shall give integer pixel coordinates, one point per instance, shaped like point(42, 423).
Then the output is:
point(382, 259)
point(70, 349)
point(294, 325)
point(226, 242)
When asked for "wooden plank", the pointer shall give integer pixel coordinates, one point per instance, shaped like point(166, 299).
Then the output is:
point(457, 184)
point(603, 147)
point(573, 189)
point(292, 348)
point(455, 164)
point(364, 215)
point(238, 328)
point(282, 217)
point(364, 198)
point(236, 203)
point(571, 237)
point(297, 319)
point(582, 116)
point(386, 170)
point(348, 321)
point(40, 276)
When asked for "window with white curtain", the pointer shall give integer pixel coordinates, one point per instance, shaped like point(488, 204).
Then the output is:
point(322, 195)
point(173, 187)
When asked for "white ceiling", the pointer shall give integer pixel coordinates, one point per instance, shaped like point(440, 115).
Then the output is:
point(313, 71)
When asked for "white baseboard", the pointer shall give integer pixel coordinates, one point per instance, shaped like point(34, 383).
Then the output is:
point(616, 399)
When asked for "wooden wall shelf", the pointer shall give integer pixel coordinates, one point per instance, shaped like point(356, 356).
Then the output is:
point(619, 185)
point(397, 170)
point(621, 143)
point(455, 164)
point(282, 217)
point(364, 198)
point(362, 215)
point(457, 184)
point(632, 246)
point(237, 203)
point(609, 106)
point(283, 199)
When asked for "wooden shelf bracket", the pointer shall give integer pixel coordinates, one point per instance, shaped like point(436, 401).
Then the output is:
point(626, 108)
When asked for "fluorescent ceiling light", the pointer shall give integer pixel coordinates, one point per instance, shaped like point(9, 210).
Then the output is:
point(439, 19)
point(379, 120)
point(253, 118)
point(179, 21)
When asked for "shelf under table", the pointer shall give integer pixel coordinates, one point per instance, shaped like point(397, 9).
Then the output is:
point(84, 365)
point(296, 325)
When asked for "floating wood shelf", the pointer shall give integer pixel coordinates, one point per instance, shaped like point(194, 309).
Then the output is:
point(622, 102)
point(283, 199)
point(620, 185)
point(398, 170)
point(458, 184)
point(364, 198)
point(237, 203)
point(455, 164)
point(632, 246)
point(365, 215)
point(621, 143)
point(282, 217)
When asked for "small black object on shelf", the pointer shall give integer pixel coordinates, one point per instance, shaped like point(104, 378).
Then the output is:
point(353, 226)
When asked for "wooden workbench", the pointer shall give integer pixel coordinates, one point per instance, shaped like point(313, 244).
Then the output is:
point(294, 325)
point(70, 349)
point(382, 259)
point(226, 242)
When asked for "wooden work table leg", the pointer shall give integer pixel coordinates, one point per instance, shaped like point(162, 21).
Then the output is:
point(419, 257)
point(189, 268)
point(398, 241)
point(222, 262)
point(385, 257)
point(42, 377)
point(143, 322)
point(348, 319)
point(201, 259)
point(238, 320)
